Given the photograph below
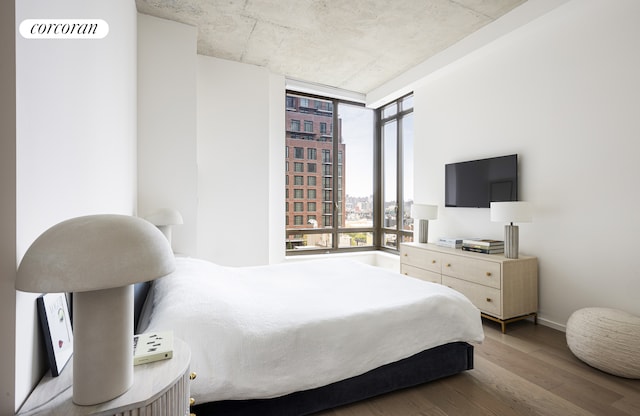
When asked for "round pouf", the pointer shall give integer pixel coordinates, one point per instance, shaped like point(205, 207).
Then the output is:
point(607, 339)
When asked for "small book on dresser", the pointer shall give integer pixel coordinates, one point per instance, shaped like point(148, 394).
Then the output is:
point(153, 346)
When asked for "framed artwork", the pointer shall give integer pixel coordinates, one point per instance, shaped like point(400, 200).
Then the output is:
point(56, 329)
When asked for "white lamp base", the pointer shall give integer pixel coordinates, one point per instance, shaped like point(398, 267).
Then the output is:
point(421, 232)
point(102, 344)
point(511, 241)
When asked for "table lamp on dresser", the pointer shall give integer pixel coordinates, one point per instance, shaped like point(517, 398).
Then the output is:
point(422, 213)
point(510, 212)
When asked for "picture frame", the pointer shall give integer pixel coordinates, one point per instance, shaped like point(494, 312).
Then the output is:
point(55, 322)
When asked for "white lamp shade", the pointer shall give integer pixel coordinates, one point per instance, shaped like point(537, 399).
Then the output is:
point(95, 252)
point(424, 212)
point(165, 216)
point(511, 211)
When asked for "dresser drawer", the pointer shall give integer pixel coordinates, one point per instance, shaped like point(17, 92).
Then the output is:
point(421, 274)
point(472, 269)
point(485, 298)
point(418, 257)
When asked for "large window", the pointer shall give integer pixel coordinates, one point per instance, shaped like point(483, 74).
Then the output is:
point(355, 174)
point(396, 134)
point(338, 141)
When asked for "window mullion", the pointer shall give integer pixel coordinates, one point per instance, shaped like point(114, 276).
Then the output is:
point(335, 134)
point(399, 181)
point(393, 112)
point(378, 212)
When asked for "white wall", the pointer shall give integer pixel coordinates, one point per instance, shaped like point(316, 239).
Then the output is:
point(276, 169)
point(210, 145)
point(76, 139)
point(236, 140)
point(562, 92)
point(7, 204)
point(410, 79)
point(167, 165)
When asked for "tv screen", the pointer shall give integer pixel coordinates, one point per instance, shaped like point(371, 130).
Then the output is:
point(476, 183)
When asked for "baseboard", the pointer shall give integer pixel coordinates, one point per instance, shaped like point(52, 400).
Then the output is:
point(551, 324)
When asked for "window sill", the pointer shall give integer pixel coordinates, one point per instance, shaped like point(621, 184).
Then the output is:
point(378, 258)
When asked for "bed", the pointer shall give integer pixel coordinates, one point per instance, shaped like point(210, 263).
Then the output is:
point(297, 338)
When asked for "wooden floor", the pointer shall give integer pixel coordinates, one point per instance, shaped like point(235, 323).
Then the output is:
point(527, 371)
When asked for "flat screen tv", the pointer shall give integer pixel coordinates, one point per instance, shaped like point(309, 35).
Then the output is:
point(476, 183)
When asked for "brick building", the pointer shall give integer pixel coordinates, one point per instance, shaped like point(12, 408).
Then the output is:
point(313, 184)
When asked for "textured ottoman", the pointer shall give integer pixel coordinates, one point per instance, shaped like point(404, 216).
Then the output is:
point(607, 339)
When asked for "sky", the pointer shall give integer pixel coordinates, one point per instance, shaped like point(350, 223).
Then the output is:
point(357, 134)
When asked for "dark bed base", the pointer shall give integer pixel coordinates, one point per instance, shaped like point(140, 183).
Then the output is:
point(429, 365)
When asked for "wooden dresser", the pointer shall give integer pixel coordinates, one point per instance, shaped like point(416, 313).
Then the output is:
point(505, 290)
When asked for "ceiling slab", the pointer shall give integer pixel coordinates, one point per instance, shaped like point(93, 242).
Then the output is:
point(356, 45)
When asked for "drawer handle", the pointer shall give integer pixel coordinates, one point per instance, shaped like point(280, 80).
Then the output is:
point(193, 375)
point(192, 401)
point(488, 274)
point(433, 262)
point(405, 254)
point(489, 300)
point(448, 264)
point(406, 274)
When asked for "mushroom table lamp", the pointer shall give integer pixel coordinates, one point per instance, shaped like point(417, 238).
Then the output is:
point(164, 218)
point(98, 258)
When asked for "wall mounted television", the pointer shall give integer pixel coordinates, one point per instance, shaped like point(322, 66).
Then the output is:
point(476, 183)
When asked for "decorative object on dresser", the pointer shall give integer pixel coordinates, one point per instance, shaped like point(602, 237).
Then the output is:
point(505, 290)
point(513, 211)
point(607, 339)
point(98, 257)
point(485, 246)
point(450, 242)
point(422, 213)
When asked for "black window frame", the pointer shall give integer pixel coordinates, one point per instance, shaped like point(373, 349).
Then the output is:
point(401, 235)
point(378, 229)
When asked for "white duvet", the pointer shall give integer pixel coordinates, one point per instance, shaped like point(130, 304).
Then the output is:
point(262, 332)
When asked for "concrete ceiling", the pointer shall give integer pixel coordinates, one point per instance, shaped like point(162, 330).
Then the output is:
point(356, 45)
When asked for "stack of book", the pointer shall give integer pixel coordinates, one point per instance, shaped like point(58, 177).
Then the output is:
point(483, 246)
point(450, 242)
